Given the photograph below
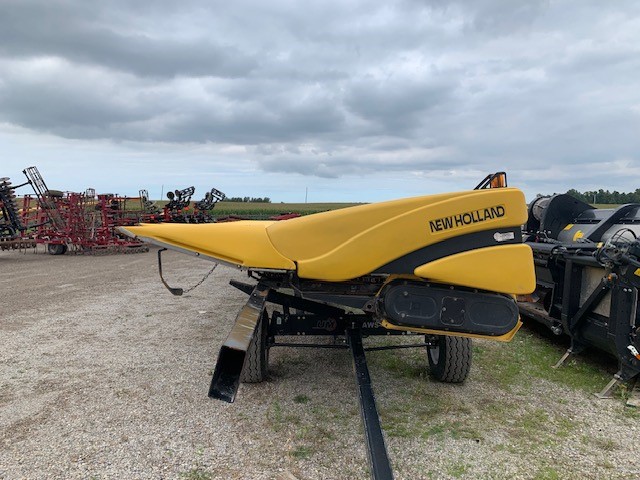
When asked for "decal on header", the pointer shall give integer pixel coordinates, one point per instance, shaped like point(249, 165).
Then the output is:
point(466, 218)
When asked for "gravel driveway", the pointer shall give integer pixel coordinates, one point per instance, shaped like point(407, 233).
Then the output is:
point(104, 374)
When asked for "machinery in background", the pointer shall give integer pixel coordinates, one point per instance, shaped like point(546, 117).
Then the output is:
point(587, 264)
point(180, 210)
point(11, 227)
point(80, 222)
point(86, 222)
point(149, 210)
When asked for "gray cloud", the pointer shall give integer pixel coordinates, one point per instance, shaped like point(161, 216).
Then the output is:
point(75, 32)
point(396, 105)
point(330, 89)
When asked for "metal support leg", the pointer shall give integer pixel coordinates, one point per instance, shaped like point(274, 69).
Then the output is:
point(575, 349)
point(606, 391)
point(634, 396)
point(226, 376)
point(376, 448)
point(562, 359)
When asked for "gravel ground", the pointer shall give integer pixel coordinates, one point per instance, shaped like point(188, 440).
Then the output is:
point(105, 375)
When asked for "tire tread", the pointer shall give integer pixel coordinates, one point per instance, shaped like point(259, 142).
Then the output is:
point(255, 368)
point(454, 360)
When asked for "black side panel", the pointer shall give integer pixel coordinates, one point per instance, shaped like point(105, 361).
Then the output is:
point(437, 308)
point(614, 218)
point(561, 211)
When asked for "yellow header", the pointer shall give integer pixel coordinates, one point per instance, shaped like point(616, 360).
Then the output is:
point(348, 243)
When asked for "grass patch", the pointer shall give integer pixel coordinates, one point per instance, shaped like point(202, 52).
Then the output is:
point(311, 427)
point(631, 412)
point(534, 420)
point(275, 416)
point(455, 429)
point(547, 473)
point(197, 474)
point(530, 356)
point(430, 411)
point(457, 469)
point(301, 452)
point(565, 427)
point(401, 365)
point(606, 444)
point(425, 415)
point(499, 415)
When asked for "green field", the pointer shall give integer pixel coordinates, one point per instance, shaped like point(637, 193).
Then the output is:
point(250, 209)
point(246, 208)
point(267, 209)
point(605, 205)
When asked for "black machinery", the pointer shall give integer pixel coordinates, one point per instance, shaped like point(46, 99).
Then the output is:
point(11, 224)
point(587, 264)
point(180, 210)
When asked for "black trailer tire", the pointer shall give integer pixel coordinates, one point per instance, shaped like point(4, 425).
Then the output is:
point(256, 363)
point(56, 248)
point(449, 358)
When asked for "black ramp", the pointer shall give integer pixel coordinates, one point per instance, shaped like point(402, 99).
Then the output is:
point(226, 376)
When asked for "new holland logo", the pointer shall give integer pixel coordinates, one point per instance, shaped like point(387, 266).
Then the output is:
point(466, 218)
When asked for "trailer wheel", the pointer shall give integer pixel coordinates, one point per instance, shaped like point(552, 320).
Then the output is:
point(56, 249)
point(257, 361)
point(449, 358)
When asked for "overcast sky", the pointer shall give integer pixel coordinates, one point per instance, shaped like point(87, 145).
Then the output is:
point(356, 101)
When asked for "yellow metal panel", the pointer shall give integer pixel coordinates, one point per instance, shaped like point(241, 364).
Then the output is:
point(344, 244)
point(243, 243)
point(314, 235)
point(507, 337)
point(503, 268)
point(348, 243)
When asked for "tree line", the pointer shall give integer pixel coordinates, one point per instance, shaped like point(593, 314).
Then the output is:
point(605, 196)
point(248, 199)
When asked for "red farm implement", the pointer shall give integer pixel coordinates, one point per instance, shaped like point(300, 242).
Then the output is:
point(78, 222)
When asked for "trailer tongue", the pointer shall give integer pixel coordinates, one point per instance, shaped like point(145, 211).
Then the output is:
point(443, 267)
